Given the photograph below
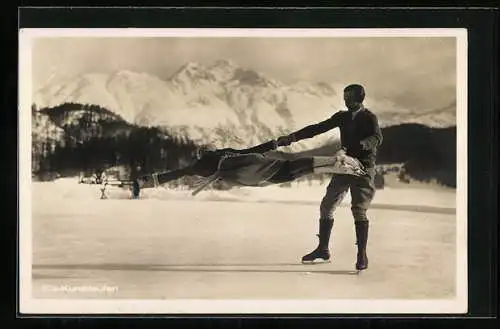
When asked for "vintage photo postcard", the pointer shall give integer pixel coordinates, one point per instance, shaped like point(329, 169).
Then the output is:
point(179, 171)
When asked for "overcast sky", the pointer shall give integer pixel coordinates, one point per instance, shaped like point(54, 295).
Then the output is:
point(415, 72)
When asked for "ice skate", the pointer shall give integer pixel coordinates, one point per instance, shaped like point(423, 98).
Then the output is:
point(362, 261)
point(318, 255)
point(361, 241)
point(338, 164)
point(322, 253)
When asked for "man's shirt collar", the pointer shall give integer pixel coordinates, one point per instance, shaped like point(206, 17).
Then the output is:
point(361, 108)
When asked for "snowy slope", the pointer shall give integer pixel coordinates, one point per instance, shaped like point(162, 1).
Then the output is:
point(221, 102)
point(44, 129)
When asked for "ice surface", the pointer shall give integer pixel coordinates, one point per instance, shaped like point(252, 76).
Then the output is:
point(240, 244)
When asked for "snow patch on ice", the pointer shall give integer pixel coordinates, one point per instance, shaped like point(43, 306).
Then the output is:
point(68, 188)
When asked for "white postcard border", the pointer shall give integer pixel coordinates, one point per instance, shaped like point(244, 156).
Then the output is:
point(29, 305)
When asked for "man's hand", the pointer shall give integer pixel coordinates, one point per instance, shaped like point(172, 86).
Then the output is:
point(365, 145)
point(285, 140)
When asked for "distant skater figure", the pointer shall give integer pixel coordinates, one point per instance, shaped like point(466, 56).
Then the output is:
point(103, 192)
point(136, 190)
point(135, 170)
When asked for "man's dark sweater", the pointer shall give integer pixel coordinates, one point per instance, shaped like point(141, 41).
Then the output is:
point(364, 127)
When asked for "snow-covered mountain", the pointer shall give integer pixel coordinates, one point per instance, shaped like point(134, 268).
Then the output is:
point(223, 103)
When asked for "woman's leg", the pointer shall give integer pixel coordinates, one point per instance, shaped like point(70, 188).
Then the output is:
point(301, 167)
point(168, 176)
point(153, 180)
point(293, 169)
point(320, 165)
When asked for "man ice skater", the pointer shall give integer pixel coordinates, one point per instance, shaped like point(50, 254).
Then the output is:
point(360, 136)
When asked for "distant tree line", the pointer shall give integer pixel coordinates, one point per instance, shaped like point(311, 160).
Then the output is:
point(422, 153)
point(427, 154)
point(95, 139)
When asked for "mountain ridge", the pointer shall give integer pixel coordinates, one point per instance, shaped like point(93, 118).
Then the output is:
point(200, 100)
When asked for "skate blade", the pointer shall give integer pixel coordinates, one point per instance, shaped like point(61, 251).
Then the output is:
point(359, 270)
point(316, 261)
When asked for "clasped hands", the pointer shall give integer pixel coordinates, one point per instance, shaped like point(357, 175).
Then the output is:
point(285, 140)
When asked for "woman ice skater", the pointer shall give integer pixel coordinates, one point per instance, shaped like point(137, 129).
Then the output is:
point(256, 166)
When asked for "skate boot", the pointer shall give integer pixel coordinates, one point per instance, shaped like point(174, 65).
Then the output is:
point(361, 241)
point(321, 252)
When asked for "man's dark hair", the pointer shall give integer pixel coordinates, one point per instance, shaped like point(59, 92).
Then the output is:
point(357, 90)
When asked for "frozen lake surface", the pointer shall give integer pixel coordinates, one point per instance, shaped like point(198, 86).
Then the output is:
point(238, 244)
